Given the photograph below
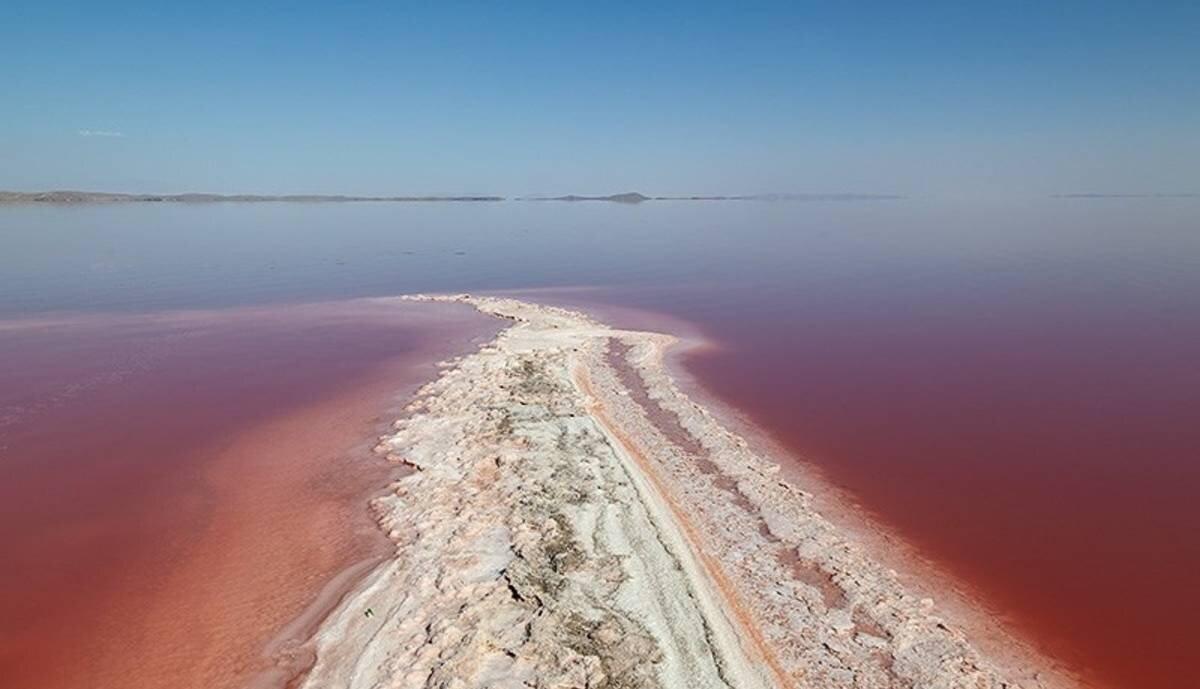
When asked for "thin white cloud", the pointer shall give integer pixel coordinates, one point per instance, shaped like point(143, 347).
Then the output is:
point(102, 132)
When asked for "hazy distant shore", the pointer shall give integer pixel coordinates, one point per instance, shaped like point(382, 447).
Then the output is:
point(1128, 195)
point(636, 197)
point(67, 197)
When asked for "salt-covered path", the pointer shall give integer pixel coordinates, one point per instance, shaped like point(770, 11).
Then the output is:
point(575, 520)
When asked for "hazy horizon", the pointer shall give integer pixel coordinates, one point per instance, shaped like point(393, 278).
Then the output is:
point(938, 100)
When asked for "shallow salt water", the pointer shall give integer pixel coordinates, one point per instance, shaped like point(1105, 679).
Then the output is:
point(180, 486)
point(1012, 387)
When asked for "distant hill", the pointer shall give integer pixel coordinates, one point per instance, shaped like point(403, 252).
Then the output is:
point(627, 197)
point(70, 197)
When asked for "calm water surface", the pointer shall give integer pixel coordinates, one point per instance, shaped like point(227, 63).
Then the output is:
point(180, 486)
point(1014, 387)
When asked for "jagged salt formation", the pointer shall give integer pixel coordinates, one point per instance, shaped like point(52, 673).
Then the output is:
point(574, 520)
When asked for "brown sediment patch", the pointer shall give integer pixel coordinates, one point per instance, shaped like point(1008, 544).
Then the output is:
point(865, 624)
point(810, 573)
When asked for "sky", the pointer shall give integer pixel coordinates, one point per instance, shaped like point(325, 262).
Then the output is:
point(943, 99)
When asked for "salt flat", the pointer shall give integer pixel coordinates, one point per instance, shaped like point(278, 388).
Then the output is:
point(556, 532)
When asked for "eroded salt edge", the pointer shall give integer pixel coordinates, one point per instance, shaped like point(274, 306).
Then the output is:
point(555, 536)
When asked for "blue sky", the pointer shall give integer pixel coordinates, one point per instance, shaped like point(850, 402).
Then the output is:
point(954, 98)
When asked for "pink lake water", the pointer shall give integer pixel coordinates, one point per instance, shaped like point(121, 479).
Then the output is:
point(1011, 387)
point(179, 487)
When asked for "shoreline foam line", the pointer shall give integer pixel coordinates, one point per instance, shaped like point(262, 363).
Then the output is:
point(555, 534)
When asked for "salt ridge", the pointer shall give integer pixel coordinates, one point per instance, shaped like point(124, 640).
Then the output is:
point(556, 533)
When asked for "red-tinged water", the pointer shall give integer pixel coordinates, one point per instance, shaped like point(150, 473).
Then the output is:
point(178, 488)
point(1013, 387)
point(1010, 452)
point(1075, 531)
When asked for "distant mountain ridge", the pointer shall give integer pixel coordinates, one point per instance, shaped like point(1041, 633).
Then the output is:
point(627, 197)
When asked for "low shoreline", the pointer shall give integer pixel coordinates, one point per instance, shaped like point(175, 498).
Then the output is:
point(574, 516)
